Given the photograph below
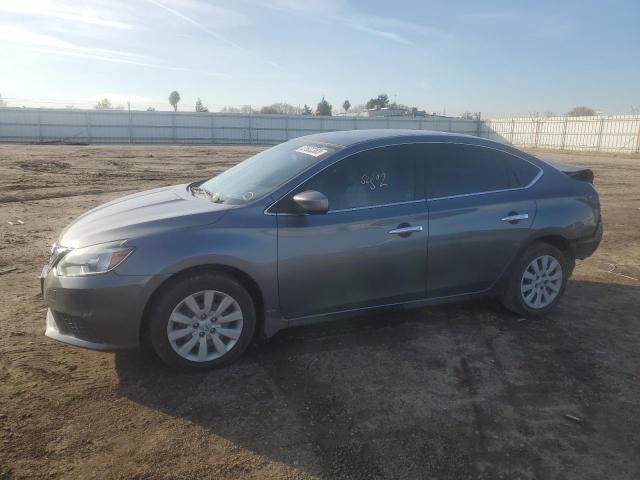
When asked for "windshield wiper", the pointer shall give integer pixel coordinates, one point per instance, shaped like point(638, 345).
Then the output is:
point(214, 197)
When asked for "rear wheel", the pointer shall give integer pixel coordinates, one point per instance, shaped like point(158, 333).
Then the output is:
point(538, 280)
point(203, 321)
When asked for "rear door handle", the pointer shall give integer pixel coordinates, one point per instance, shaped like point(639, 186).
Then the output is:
point(516, 217)
point(405, 230)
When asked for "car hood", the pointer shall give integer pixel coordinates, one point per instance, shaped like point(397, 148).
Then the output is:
point(141, 214)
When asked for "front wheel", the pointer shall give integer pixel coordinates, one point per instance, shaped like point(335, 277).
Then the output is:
point(538, 281)
point(202, 321)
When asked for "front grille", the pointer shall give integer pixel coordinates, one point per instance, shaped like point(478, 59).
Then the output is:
point(75, 326)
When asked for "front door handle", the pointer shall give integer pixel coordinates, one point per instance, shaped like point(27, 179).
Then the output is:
point(405, 230)
point(515, 217)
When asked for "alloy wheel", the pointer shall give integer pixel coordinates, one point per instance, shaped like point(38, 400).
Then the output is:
point(541, 282)
point(205, 325)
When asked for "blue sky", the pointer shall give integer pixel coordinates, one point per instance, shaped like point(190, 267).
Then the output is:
point(496, 57)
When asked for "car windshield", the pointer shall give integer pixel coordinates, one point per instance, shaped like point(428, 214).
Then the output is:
point(263, 173)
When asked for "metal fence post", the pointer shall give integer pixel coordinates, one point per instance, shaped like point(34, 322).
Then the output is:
point(173, 127)
point(39, 126)
point(564, 133)
point(638, 140)
point(600, 134)
point(130, 126)
point(249, 129)
point(213, 131)
point(286, 127)
point(513, 127)
point(537, 134)
point(88, 119)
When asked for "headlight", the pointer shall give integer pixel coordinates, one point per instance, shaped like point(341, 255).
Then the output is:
point(92, 260)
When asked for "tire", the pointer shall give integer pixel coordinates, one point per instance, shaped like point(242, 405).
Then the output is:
point(223, 331)
point(522, 292)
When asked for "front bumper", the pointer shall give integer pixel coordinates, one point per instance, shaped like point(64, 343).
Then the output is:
point(100, 312)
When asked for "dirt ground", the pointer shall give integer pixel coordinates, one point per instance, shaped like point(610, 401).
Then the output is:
point(463, 391)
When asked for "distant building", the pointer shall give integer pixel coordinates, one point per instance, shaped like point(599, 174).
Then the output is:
point(400, 112)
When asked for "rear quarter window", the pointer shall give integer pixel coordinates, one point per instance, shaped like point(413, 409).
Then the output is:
point(523, 172)
point(467, 169)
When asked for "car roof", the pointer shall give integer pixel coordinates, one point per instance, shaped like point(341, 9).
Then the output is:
point(346, 138)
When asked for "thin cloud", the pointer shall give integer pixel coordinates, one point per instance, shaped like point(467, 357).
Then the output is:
point(337, 12)
point(490, 16)
point(58, 10)
point(25, 40)
point(381, 33)
point(52, 51)
point(19, 36)
point(196, 24)
point(206, 29)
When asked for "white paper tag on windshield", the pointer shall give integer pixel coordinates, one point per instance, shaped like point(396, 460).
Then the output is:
point(312, 150)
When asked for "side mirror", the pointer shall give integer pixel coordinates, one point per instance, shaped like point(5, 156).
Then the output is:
point(311, 201)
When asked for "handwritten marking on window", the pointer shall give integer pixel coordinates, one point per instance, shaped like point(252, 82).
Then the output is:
point(375, 180)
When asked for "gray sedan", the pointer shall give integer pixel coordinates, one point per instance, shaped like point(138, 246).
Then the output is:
point(320, 227)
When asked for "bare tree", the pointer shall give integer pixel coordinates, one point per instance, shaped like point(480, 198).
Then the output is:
point(346, 105)
point(174, 98)
point(104, 104)
point(581, 112)
point(271, 110)
point(200, 107)
point(242, 109)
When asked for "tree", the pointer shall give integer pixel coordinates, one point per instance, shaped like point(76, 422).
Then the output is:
point(286, 109)
point(103, 104)
point(174, 98)
point(306, 110)
point(381, 101)
point(324, 108)
point(200, 107)
point(280, 108)
point(346, 105)
point(242, 109)
point(271, 110)
point(470, 116)
point(581, 112)
point(2, 102)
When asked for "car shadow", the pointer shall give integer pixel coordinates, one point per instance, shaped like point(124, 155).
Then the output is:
point(408, 393)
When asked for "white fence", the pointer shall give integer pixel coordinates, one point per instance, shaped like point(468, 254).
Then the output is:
point(40, 125)
point(620, 133)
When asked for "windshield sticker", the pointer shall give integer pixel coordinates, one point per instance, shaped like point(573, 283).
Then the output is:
point(312, 150)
